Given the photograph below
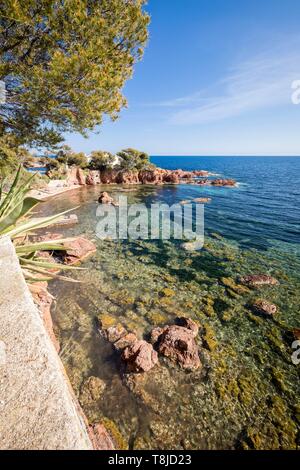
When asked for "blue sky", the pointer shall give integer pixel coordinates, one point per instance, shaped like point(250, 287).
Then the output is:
point(215, 80)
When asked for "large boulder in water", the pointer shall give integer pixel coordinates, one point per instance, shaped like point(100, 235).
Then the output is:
point(256, 280)
point(264, 307)
point(77, 250)
point(105, 198)
point(139, 357)
point(178, 344)
point(189, 324)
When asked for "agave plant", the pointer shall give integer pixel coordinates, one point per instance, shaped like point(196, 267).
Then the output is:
point(15, 206)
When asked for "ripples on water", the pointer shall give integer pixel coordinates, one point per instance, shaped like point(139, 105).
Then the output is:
point(246, 394)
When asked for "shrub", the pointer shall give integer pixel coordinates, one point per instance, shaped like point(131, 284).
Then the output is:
point(132, 159)
point(101, 160)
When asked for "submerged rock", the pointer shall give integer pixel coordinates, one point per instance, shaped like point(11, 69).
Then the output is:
point(66, 220)
point(78, 249)
point(105, 198)
point(254, 280)
point(91, 390)
point(139, 357)
point(125, 341)
point(75, 249)
point(178, 344)
point(189, 324)
point(156, 333)
point(113, 333)
point(296, 333)
point(264, 307)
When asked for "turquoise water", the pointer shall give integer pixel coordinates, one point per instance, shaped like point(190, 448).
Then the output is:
point(247, 393)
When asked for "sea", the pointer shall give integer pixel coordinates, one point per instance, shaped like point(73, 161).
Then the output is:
point(246, 393)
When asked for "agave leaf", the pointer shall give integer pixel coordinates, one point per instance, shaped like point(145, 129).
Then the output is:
point(36, 224)
point(1, 190)
point(14, 184)
point(55, 245)
point(20, 210)
point(32, 279)
point(15, 194)
point(45, 264)
point(50, 274)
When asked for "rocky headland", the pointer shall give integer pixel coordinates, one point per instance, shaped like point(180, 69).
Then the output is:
point(157, 176)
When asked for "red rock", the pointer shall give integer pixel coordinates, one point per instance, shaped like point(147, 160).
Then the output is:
point(113, 333)
point(264, 307)
point(93, 177)
point(43, 299)
point(189, 324)
point(66, 220)
point(100, 438)
point(105, 198)
point(258, 280)
point(46, 236)
point(296, 333)
point(172, 178)
point(125, 341)
point(75, 176)
point(151, 176)
point(178, 344)
point(77, 250)
point(139, 357)
point(127, 177)
point(108, 176)
point(203, 182)
point(200, 173)
point(223, 182)
point(156, 333)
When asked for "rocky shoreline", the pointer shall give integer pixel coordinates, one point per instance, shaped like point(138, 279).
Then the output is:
point(77, 177)
point(157, 176)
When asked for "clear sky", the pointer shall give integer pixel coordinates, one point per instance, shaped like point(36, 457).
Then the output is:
point(215, 79)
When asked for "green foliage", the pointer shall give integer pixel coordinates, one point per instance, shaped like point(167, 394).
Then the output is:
point(51, 163)
point(11, 154)
point(101, 160)
point(64, 153)
point(65, 63)
point(67, 156)
point(132, 159)
point(78, 159)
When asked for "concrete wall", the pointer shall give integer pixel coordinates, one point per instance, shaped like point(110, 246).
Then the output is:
point(37, 410)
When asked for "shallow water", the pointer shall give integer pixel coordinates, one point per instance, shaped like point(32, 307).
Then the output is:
point(247, 392)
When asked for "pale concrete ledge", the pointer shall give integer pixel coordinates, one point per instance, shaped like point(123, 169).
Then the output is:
point(37, 410)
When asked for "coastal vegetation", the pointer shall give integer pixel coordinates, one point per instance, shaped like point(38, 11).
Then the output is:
point(125, 160)
point(64, 65)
